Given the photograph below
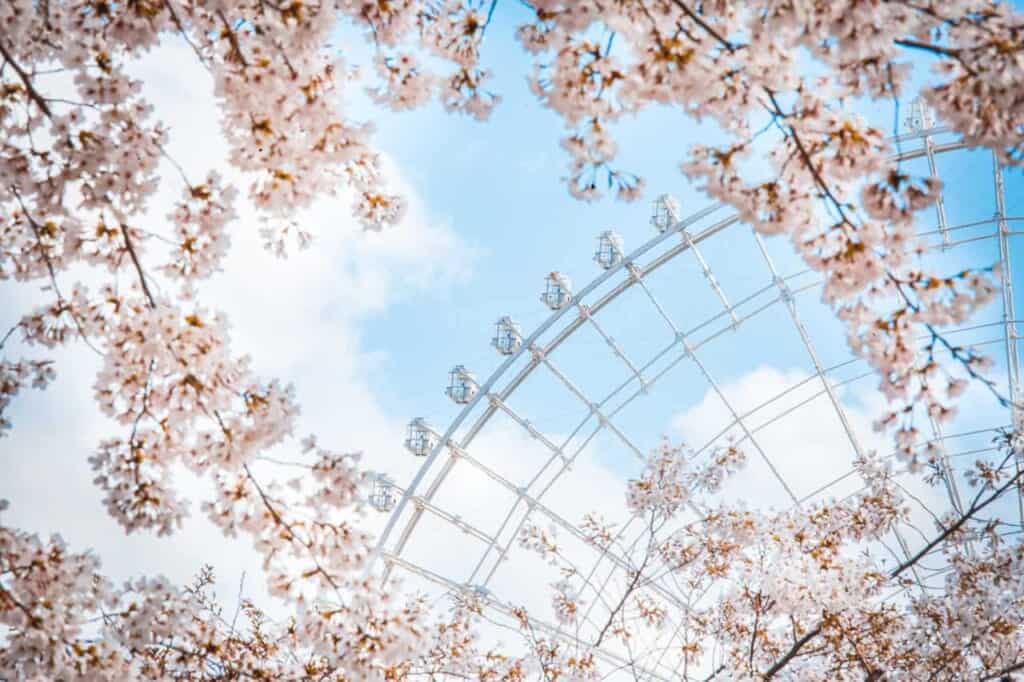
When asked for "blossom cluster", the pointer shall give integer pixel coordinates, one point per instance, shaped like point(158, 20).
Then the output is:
point(749, 590)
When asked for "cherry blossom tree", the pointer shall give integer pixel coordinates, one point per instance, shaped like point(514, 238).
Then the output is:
point(785, 594)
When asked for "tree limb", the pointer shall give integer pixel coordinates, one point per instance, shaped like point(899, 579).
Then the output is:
point(33, 94)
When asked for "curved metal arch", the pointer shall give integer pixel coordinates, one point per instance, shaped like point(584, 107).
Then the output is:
point(626, 264)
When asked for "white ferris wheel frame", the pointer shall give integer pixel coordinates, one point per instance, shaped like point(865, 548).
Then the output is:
point(633, 273)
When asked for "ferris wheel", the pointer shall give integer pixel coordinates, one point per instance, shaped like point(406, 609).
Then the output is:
point(654, 333)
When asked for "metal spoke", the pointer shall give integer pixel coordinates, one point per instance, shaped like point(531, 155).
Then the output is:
point(616, 348)
point(940, 203)
point(710, 276)
point(1009, 314)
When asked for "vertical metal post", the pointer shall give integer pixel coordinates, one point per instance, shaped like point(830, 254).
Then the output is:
point(1009, 316)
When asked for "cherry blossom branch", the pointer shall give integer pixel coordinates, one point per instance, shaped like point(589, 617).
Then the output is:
point(293, 536)
point(169, 4)
point(53, 274)
point(206, 658)
point(958, 355)
point(955, 351)
point(43, 252)
point(805, 156)
point(1004, 673)
point(704, 25)
point(33, 620)
point(622, 602)
point(233, 38)
point(779, 115)
point(39, 100)
point(138, 266)
point(797, 646)
point(757, 602)
point(975, 508)
point(938, 50)
point(534, 643)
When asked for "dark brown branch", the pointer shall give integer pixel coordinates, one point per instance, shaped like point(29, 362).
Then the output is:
point(753, 635)
point(937, 50)
point(805, 156)
point(33, 94)
point(929, 47)
point(714, 673)
point(233, 38)
point(704, 25)
point(797, 646)
point(1004, 673)
point(975, 508)
point(138, 266)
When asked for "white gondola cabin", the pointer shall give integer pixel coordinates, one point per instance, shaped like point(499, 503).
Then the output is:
point(508, 336)
point(462, 385)
point(609, 250)
point(665, 213)
point(919, 117)
point(383, 494)
point(557, 291)
point(421, 439)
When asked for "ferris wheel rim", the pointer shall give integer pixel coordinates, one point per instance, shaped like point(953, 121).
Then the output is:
point(445, 439)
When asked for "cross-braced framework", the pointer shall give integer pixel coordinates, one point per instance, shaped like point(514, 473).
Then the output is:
point(784, 298)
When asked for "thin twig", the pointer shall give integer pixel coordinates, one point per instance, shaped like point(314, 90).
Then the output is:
point(938, 50)
point(184, 34)
point(53, 273)
point(138, 266)
point(629, 590)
